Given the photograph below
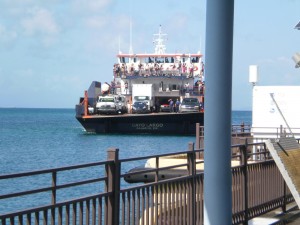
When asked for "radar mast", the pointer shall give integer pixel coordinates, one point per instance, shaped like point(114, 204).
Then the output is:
point(159, 42)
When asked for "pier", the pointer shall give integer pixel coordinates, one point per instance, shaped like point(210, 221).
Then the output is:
point(96, 193)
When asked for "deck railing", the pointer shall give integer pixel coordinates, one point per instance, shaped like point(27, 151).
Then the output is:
point(104, 198)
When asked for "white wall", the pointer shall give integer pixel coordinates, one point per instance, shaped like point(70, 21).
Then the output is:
point(265, 113)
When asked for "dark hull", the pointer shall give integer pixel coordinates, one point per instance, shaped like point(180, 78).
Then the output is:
point(154, 123)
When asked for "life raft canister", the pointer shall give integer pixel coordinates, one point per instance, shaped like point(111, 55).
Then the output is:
point(105, 88)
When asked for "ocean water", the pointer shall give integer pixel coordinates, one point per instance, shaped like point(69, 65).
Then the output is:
point(32, 139)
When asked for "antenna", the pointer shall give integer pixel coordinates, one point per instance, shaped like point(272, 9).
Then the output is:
point(130, 46)
point(130, 30)
point(158, 41)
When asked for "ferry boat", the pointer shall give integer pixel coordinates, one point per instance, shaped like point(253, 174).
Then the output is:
point(155, 82)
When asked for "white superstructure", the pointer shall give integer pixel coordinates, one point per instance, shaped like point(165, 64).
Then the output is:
point(270, 116)
point(171, 75)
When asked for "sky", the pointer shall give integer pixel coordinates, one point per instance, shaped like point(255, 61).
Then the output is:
point(50, 51)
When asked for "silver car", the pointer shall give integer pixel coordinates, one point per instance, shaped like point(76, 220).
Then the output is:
point(189, 105)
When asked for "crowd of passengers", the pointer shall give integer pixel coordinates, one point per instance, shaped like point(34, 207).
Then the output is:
point(157, 69)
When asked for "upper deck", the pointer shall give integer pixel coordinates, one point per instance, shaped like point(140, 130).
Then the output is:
point(159, 63)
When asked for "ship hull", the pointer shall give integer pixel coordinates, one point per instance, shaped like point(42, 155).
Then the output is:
point(154, 123)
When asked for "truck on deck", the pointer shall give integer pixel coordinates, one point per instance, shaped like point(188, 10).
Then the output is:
point(143, 93)
point(111, 104)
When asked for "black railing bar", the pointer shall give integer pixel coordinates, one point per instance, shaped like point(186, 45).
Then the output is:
point(22, 193)
point(150, 184)
point(174, 179)
point(254, 163)
point(45, 189)
point(238, 156)
point(255, 144)
point(199, 150)
point(73, 184)
point(53, 206)
point(257, 153)
point(249, 144)
point(164, 181)
point(136, 158)
point(199, 162)
point(157, 156)
point(236, 146)
point(141, 171)
point(45, 171)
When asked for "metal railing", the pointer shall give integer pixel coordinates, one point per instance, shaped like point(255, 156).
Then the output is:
point(257, 188)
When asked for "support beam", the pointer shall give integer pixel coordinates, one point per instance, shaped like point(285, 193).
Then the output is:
point(217, 122)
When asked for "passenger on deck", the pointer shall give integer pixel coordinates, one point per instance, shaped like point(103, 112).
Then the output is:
point(171, 104)
point(141, 68)
point(117, 70)
point(184, 68)
point(173, 68)
point(191, 70)
point(187, 87)
point(151, 69)
point(179, 68)
point(177, 103)
point(202, 69)
point(161, 68)
point(131, 69)
point(147, 69)
point(123, 69)
point(156, 68)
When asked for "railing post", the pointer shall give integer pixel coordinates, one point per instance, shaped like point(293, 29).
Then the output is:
point(197, 139)
point(244, 163)
point(192, 172)
point(54, 178)
point(53, 199)
point(156, 189)
point(243, 128)
point(113, 185)
point(284, 197)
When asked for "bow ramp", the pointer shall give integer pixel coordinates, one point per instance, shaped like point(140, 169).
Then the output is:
point(286, 154)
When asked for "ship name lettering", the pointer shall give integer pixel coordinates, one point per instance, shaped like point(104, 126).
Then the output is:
point(150, 126)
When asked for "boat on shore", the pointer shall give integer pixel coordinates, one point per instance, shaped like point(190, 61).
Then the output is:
point(160, 82)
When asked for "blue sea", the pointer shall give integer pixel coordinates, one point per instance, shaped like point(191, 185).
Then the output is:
point(32, 139)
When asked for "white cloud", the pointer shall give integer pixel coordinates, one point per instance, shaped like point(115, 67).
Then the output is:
point(40, 21)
